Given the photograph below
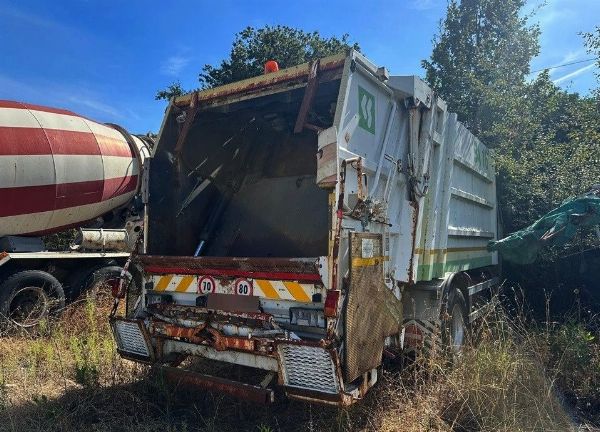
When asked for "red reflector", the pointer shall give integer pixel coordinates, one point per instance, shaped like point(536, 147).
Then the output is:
point(413, 336)
point(331, 303)
point(116, 288)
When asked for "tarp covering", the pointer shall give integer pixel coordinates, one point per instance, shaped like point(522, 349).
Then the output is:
point(554, 228)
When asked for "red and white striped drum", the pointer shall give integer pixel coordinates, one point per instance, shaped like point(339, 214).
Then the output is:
point(58, 169)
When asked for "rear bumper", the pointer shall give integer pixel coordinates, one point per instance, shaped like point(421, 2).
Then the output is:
point(236, 389)
point(306, 370)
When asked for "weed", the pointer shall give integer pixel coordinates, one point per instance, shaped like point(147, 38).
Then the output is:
point(69, 378)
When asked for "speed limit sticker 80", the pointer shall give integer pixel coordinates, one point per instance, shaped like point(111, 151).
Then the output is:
point(206, 285)
point(243, 287)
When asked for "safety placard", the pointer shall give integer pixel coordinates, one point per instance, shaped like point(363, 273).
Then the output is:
point(206, 285)
point(243, 286)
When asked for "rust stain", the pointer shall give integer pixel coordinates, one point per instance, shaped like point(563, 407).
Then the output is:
point(255, 84)
point(218, 263)
point(233, 388)
point(415, 206)
point(171, 330)
point(222, 343)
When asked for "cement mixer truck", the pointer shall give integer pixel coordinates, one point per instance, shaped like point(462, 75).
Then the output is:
point(305, 224)
point(59, 170)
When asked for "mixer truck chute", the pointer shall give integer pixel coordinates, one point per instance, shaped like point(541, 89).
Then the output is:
point(304, 221)
point(59, 170)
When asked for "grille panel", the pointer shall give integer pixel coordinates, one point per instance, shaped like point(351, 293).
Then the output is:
point(130, 339)
point(309, 368)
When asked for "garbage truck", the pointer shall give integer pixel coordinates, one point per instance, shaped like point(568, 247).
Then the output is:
point(59, 170)
point(306, 224)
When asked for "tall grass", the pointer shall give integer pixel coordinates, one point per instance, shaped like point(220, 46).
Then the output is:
point(517, 377)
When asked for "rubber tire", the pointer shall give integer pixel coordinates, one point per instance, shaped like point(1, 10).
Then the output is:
point(35, 278)
point(75, 282)
point(94, 277)
point(455, 303)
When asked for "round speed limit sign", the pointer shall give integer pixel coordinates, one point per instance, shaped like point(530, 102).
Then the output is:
point(206, 285)
point(243, 287)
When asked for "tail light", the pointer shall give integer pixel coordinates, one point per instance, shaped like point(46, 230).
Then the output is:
point(331, 303)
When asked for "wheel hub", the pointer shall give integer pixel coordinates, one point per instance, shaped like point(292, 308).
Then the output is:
point(28, 306)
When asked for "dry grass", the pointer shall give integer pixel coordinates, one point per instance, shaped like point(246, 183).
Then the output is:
point(70, 379)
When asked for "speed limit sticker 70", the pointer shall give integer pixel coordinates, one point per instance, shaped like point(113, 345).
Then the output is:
point(243, 287)
point(206, 285)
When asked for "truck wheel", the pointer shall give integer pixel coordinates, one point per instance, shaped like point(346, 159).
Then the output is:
point(455, 321)
point(75, 283)
point(98, 282)
point(29, 296)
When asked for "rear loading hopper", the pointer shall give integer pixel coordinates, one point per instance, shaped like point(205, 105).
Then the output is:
point(299, 221)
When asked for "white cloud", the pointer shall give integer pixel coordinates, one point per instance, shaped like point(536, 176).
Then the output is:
point(569, 57)
point(552, 11)
point(174, 64)
point(575, 73)
point(572, 56)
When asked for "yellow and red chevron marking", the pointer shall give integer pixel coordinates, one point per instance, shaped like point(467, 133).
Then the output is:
point(271, 289)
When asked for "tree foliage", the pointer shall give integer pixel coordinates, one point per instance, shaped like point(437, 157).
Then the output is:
point(252, 47)
point(554, 152)
point(480, 58)
point(592, 43)
point(546, 141)
point(173, 90)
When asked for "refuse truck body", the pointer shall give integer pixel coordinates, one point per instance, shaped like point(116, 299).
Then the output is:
point(308, 223)
point(59, 170)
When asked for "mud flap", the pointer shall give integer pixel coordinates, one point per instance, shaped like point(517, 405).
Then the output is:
point(372, 310)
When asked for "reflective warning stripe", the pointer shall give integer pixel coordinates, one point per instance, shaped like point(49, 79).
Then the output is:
point(163, 283)
point(270, 289)
point(185, 283)
point(285, 290)
point(267, 289)
point(363, 262)
point(297, 291)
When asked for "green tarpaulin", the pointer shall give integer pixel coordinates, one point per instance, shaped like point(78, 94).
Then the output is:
point(555, 228)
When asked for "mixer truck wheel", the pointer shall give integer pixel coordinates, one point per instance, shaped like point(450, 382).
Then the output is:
point(99, 281)
point(78, 281)
point(28, 297)
point(455, 321)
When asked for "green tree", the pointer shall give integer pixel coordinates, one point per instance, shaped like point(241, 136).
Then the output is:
point(480, 60)
point(552, 154)
point(546, 141)
point(252, 47)
point(173, 90)
point(592, 43)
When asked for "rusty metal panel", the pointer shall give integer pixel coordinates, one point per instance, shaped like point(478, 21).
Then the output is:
point(233, 388)
point(327, 159)
point(372, 311)
point(293, 268)
point(283, 80)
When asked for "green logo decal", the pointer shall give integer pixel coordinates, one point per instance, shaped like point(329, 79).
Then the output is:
point(366, 110)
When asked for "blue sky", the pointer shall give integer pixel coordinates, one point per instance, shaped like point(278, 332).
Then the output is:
point(106, 59)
